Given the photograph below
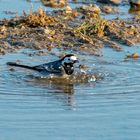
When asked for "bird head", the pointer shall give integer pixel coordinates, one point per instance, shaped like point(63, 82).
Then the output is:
point(69, 59)
point(67, 62)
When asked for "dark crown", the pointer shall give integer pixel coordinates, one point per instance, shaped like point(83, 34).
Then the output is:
point(68, 55)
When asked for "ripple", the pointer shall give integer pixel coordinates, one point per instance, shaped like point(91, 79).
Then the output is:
point(77, 78)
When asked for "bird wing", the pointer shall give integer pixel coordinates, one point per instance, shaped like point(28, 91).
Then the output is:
point(52, 67)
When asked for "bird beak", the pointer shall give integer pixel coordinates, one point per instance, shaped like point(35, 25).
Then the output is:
point(76, 61)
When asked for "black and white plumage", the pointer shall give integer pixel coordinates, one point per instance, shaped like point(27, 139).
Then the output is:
point(63, 66)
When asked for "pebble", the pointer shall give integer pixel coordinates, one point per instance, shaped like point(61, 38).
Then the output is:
point(133, 56)
point(91, 8)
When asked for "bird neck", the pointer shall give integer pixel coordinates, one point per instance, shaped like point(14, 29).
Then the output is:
point(68, 67)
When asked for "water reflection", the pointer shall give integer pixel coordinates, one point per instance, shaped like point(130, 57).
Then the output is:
point(54, 87)
point(60, 92)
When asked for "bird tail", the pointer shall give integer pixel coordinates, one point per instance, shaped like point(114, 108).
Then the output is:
point(20, 65)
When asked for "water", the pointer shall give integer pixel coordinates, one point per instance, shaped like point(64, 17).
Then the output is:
point(16, 7)
point(107, 109)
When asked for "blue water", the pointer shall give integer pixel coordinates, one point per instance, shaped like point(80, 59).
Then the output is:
point(18, 6)
point(107, 109)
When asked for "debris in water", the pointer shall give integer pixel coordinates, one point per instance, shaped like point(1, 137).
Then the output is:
point(133, 56)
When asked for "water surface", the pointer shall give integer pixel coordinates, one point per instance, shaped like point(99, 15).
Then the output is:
point(107, 109)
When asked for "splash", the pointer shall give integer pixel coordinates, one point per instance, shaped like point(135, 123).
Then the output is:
point(77, 78)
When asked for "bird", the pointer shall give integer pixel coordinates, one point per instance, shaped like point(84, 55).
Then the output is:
point(63, 66)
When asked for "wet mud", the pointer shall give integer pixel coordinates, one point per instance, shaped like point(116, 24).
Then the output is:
point(82, 29)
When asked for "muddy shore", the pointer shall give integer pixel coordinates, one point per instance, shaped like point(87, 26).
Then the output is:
point(82, 29)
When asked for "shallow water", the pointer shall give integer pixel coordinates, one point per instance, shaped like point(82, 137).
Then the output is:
point(106, 109)
point(14, 8)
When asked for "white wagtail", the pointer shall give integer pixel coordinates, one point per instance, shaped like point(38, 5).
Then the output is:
point(62, 67)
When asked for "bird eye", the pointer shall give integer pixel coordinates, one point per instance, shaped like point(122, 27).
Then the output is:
point(68, 58)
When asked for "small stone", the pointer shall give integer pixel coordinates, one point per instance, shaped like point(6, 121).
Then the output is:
point(68, 10)
point(3, 29)
point(54, 3)
point(91, 8)
point(133, 56)
point(2, 51)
